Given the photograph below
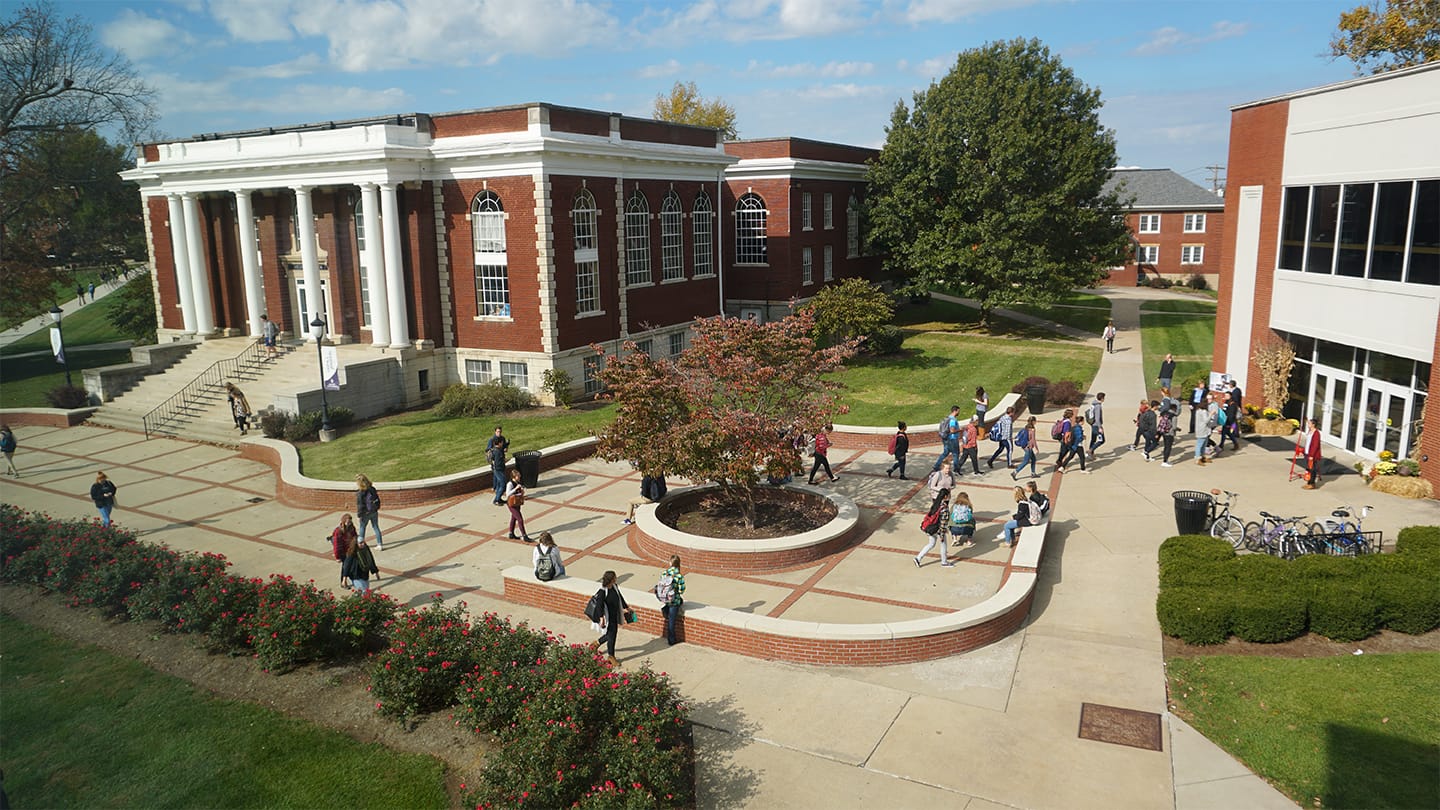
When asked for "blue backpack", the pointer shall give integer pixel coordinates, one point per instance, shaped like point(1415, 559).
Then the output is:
point(1022, 439)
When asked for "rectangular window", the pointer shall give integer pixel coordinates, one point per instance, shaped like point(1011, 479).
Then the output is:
point(805, 212)
point(807, 266)
point(516, 374)
point(365, 320)
point(477, 372)
point(1425, 239)
point(1147, 254)
point(1392, 227)
point(703, 225)
point(1194, 223)
point(593, 364)
point(587, 287)
point(677, 343)
point(829, 263)
point(1324, 215)
point(1292, 228)
point(672, 261)
point(1149, 223)
point(637, 247)
point(492, 288)
point(1192, 254)
point(829, 211)
point(646, 346)
point(1355, 208)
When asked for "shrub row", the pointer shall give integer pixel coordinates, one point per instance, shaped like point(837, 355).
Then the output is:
point(481, 400)
point(1207, 593)
point(575, 732)
point(306, 426)
point(1064, 392)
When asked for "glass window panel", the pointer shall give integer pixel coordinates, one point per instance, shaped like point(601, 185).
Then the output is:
point(1395, 424)
point(677, 343)
point(1422, 378)
point(593, 364)
point(1292, 228)
point(587, 287)
point(807, 266)
point(750, 230)
point(637, 240)
point(516, 374)
point(829, 210)
point(1390, 368)
point(1425, 238)
point(1334, 355)
point(702, 224)
point(1324, 212)
point(1392, 225)
point(1294, 407)
point(1355, 206)
point(1304, 348)
point(672, 264)
point(477, 372)
point(829, 263)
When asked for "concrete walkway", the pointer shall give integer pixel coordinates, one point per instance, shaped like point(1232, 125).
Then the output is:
point(993, 728)
point(43, 321)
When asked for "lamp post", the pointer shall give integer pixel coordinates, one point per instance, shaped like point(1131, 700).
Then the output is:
point(55, 315)
point(317, 330)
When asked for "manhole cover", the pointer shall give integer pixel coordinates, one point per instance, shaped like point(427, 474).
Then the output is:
point(254, 500)
point(1112, 724)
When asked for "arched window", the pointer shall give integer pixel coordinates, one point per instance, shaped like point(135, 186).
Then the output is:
point(583, 218)
point(672, 260)
point(852, 228)
point(637, 240)
point(750, 219)
point(702, 228)
point(360, 260)
point(492, 275)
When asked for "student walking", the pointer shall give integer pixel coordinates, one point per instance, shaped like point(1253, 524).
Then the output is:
point(514, 500)
point(367, 508)
point(80, 294)
point(982, 405)
point(341, 540)
point(949, 437)
point(1197, 403)
point(1077, 444)
point(1144, 406)
point(1004, 428)
point(1168, 424)
point(969, 445)
point(102, 493)
point(1148, 426)
point(615, 610)
point(1202, 436)
point(495, 449)
point(941, 479)
point(1065, 433)
point(670, 590)
point(1167, 373)
point(545, 558)
point(8, 445)
point(1097, 422)
point(1110, 337)
point(899, 446)
point(933, 524)
point(1232, 416)
point(1026, 440)
point(353, 572)
point(1312, 456)
point(239, 407)
point(269, 333)
point(822, 447)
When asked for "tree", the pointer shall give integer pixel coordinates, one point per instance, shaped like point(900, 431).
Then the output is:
point(728, 408)
point(992, 186)
point(1400, 34)
point(854, 308)
point(684, 105)
point(133, 312)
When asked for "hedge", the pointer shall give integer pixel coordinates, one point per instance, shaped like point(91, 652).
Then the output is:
point(1207, 593)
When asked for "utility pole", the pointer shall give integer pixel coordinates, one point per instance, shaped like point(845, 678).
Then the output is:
point(1215, 182)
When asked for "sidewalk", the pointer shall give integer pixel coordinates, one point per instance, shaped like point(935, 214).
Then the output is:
point(989, 729)
point(69, 308)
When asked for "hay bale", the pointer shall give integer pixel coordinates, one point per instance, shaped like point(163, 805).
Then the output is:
point(1403, 486)
point(1274, 427)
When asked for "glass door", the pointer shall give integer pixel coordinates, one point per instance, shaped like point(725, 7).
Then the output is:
point(1386, 416)
point(1328, 405)
point(302, 304)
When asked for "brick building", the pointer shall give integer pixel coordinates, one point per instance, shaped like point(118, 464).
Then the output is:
point(1177, 227)
point(1333, 244)
point(494, 243)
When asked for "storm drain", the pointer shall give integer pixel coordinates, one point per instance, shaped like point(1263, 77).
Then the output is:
point(1112, 724)
point(255, 500)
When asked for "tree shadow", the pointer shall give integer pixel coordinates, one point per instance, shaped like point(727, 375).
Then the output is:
point(724, 730)
point(1364, 768)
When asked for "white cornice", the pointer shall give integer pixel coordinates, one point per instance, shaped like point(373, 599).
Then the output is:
point(798, 168)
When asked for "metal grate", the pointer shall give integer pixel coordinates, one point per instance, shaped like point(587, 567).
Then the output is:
point(1112, 724)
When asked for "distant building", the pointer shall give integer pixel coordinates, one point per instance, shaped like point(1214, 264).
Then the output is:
point(1333, 244)
point(1177, 227)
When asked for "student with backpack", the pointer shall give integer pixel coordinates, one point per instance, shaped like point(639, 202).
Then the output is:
point(1097, 422)
point(962, 520)
point(1026, 440)
point(1001, 432)
point(7, 447)
point(933, 525)
point(1025, 514)
point(899, 446)
point(1077, 444)
point(1063, 431)
point(545, 558)
point(949, 431)
point(822, 448)
point(1168, 425)
point(969, 446)
point(1149, 426)
point(1202, 435)
point(670, 590)
point(1038, 498)
point(367, 508)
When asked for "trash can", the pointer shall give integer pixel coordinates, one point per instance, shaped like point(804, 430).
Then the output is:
point(1192, 511)
point(528, 463)
point(1035, 399)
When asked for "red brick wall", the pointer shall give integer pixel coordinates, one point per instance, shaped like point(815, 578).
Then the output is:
point(573, 333)
point(580, 122)
point(517, 196)
point(780, 280)
point(818, 237)
point(1429, 453)
point(158, 210)
point(642, 129)
point(676, 302)
point(1172, 238)
point(1257, 157)
point(422, 263)
point(272, 234)
point(227, 289)
point(152, 152)
point(480, 123)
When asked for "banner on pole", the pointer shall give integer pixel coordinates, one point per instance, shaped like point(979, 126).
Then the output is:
point(57, 348)
point(330, 367)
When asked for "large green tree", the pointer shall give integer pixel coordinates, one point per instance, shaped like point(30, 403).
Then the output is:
point(1389, 35)
point(684, 105)
point(992, 184)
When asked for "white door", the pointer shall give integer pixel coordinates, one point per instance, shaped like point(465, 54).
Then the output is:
point(302, 304)
point(1386, 415)
point(1329, 404)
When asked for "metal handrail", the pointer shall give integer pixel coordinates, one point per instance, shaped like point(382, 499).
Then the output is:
point(253, 354)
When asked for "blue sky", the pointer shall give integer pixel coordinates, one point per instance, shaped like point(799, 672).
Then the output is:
point(824, 69)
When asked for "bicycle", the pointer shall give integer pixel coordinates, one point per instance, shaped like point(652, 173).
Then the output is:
point(1342, 537)
point(1224, 525)
point(1277, 536)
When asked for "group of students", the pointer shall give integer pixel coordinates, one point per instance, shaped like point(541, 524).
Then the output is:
point(956, 518)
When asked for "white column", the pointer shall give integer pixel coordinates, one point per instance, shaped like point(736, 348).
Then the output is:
point(309, 262)
point(394, 270)
point(254, 303)
point(199, 272)
point(374, 266)
point(182, 262)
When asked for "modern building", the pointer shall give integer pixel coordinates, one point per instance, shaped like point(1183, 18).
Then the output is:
point(1333, 244)
point(493, 243)
point(1177, 227)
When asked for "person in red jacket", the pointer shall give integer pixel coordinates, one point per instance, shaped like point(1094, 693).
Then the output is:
point(1312, 456)
point(342, 538)
point(822, 446)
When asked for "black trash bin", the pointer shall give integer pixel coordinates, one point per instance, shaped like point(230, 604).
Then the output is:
point(1035, 399)
point(528, 463)
point(1192, 511)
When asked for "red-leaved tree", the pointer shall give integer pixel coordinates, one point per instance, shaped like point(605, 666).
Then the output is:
point(726, 409)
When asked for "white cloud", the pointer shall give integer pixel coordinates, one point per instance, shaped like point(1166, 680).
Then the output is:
point(255, 20)
point(289, 103)
point(829, 70)
point(140, 36)
point(932, 68)
point(748, 20)
point(947, 11)
point(302, 65)
point(845, 90)
point(663, 70)
point(1170, 39)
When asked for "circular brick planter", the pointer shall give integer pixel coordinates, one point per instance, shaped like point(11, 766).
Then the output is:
point(658, 541)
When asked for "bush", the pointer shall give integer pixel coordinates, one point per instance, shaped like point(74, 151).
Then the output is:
point(273, 423)
point(1420, 542)
point(1065, 392)
point(67, 397)
point(224, 610)
point(1341, 611)
point(1267, 615)
point(178, 577)
point(557, 382)
point(885, 340)
point(306, 427)
point(1408, 603)
point(1194, 615)
point(1019, 388)
point(1197, 282)
point(1196, 560)
point(19, 532)
point(360, 622)
point(481, 400)
point(1161, 283)
point(429, 651)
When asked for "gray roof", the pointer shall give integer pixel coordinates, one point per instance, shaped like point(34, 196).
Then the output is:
point(1161, 188)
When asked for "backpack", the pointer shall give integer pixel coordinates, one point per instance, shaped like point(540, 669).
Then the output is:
point(995, 433)
point(930, 524)
point(1029, 511)
point(545, 568)
point(372, 501)
point(1220, 417)
point(944, 429)
point(893, 439)
point(1057, 430)
point(595, 608)
point(1164, 423)
point(960, 515)
point(665, 588)
point(1022, 440)
point(7, 443)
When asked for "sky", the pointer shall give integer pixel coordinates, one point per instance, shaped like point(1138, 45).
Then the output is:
point(831, 70)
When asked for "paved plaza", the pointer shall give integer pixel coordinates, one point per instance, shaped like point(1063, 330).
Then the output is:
point(996, 727)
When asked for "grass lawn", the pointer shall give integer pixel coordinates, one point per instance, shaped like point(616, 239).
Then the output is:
point(943, 316)
point(1349, 731)
point(1085, 311)
point(421, 445)
point(87, 327)
point(1185, 328)
point(84, 728)
point(24, 380)
point(64, 290)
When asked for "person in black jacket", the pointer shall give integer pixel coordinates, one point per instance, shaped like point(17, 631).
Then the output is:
point(899, 446)
point(367, 508)
point(102, 493)
point(652, 489)
point(615, 610)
